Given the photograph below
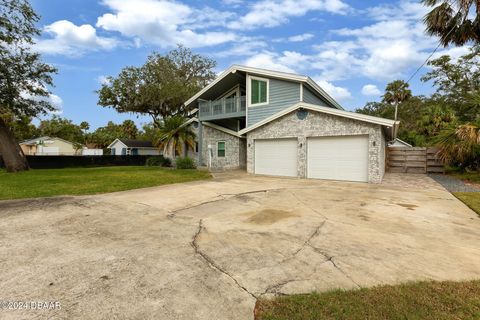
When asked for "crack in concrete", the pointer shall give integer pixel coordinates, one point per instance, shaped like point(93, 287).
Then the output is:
point(273, 288)
point(331, 259)
point(309, 207)
point(306, 243)
point(219, 197)
point(211, 262)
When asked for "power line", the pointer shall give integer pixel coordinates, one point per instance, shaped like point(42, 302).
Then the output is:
point(431, 54)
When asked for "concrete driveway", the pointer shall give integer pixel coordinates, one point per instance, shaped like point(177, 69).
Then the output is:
point(207, 250)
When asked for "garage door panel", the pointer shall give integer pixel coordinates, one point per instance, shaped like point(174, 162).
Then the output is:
point(276, 157)
point(338, 158)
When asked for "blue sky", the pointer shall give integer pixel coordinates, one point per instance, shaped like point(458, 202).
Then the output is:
point(351, 48)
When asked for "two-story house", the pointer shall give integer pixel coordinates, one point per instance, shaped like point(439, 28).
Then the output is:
point(284, 124)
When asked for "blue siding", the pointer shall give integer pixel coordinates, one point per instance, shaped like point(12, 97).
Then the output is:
point(309, 97)
point(282, 95)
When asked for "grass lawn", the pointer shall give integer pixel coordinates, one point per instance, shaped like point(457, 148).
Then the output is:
point(471, 199)
point(81, 181)
point(420, 300)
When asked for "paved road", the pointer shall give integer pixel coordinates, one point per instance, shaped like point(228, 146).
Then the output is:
point(207, 250)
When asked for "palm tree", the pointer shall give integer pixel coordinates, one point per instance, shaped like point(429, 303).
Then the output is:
point(454, 21)
point(460, 145)
point(396, 92)
point(175, 135)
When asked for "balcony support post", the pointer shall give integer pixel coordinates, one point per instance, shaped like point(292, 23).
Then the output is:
point(200, 143)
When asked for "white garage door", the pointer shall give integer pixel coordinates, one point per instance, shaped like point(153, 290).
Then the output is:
point(277, 157)
point(338, 158)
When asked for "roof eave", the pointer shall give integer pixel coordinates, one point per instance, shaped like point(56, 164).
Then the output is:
point(341, 113)
point(267, 73)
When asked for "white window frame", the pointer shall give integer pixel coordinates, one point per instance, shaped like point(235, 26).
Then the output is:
point(235, 89)
point(250, 91)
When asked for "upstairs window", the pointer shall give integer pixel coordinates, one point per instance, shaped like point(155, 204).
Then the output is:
point(259, 89)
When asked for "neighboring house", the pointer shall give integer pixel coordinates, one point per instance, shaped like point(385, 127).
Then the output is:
point(284, 124)
point(397, 143)
point(50, 146)
point(122, 147)
point(92, 149)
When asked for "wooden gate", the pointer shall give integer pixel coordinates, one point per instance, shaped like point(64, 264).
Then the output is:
point(413, 160)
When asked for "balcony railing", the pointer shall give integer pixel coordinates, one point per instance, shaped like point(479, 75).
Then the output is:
point(223, 108)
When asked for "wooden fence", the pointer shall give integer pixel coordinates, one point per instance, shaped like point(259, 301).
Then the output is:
point(413, 160)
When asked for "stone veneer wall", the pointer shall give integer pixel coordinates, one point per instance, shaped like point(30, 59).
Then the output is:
point(383, 151)
point(235, 154)
point(319, 124)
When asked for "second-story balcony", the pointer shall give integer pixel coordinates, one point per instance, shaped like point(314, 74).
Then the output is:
point(222, 108)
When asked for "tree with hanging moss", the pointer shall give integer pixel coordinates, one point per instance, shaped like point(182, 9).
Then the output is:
point(160, 87)
point(24, 78)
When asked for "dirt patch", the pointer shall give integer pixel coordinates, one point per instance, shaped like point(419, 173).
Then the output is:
point(269, 216)
point(408, 206)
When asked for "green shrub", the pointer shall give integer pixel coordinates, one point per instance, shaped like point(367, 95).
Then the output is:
point(185, 163)
point(167, 162)
point(158, 161)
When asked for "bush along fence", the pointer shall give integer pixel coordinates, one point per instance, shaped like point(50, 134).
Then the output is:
point(413, 160)
point(59, 162)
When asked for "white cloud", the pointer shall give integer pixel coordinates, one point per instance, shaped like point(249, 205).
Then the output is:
point(70, 39)
point(386, 49)
point(339, 93)
point(165, 23)
point(56, 102)
point(272, 13)
point(102, 79)
point(233, 3)
point(267, 60)
point(301, 37)
point(287, 61)
point(454, 52)
point(404, 10)
point(245, 47)
point(370, 90)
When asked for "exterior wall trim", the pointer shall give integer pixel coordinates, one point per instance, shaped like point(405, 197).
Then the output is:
point(346, 114)
point(268, 74)
point(220, 128)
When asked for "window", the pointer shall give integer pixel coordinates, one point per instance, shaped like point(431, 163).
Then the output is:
point(259, 90)
point(221, 149)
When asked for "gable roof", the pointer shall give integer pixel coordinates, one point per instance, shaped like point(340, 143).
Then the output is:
point(341, 113)
point(398, 143)
point(270, 74)
point(133, 143)
point(35, 140)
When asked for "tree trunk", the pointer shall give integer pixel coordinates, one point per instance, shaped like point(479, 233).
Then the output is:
point(12, 154)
